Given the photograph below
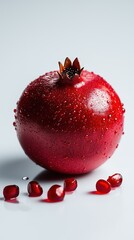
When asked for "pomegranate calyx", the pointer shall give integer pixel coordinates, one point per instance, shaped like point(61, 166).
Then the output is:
point(69, 70)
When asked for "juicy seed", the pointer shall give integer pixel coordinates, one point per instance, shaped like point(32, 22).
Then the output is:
point(103, 186)
point(10, 191)
point(115, 180)
point(56, 193)
point(70, 184)
point(34, 189)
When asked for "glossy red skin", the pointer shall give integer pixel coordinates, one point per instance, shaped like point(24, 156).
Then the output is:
point(72, 128)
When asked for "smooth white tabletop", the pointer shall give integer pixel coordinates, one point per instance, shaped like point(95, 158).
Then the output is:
point(34, 36)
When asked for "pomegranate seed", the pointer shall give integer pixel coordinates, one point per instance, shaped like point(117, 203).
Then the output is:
point(34, 189)
point(56, 193)
point(10, 191)
point(70, 184)
point(115, 180)
point(103, 186)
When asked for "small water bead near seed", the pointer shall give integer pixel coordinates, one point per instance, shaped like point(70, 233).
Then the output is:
point(25, 178)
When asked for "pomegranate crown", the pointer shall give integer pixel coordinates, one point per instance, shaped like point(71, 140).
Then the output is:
point(69, 69)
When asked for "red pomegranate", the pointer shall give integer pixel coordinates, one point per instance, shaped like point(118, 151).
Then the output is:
point(69, 121)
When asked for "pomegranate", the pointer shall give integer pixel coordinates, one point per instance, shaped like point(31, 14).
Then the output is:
point(69, 121)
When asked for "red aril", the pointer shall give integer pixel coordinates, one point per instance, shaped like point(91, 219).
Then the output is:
point(103, 186)
point(56, 193)
point(10, 192)
point(34, 189)
point(115, 180)
point(70, 184)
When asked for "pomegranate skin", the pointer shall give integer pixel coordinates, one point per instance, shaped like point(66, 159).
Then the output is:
point(71, 128)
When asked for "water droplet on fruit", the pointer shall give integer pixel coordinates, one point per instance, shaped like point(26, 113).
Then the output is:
point(123, 110)
point(103, 119)
point(117, 145)
point(115, 132)
point(83, 127)
point(86, 137)
point(14, 124)
point(109, 116)
point(25, 178)
point(115, 119)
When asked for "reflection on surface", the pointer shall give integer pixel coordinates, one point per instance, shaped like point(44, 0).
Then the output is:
point(99, 101)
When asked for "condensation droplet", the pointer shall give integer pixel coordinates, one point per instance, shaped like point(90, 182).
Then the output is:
point(14, 124)
point(123, 110)
point(83, 116)
point(103, 119)
point(25, 178)
point(115, 119)
point(109, 116)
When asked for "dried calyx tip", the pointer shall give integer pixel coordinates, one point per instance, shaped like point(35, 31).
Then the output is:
point(69, 69)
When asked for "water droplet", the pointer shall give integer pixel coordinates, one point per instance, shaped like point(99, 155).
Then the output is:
point(123, 110)
point(109, 116)
point(14, 124)
point(25, 178)
point(103, 119)
point(115, 119)
point(117, 145)
point(86, 137)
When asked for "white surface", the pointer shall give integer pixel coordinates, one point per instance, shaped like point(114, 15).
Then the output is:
point(34, 36)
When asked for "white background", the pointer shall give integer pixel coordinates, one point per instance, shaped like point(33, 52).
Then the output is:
point(34, 36)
